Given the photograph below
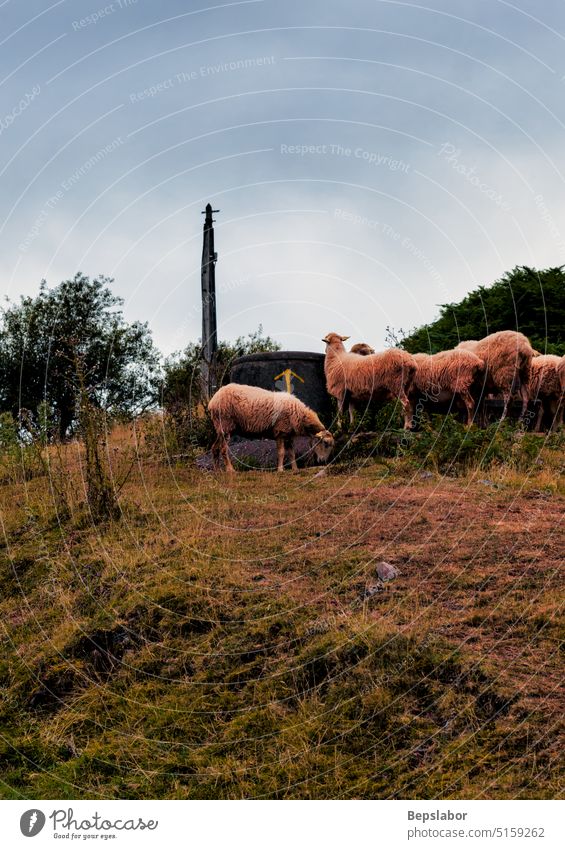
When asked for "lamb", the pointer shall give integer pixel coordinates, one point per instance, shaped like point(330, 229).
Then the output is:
point(354, 379)
point(548, 386)
point(443, 377)
point(362, 348)
point(251, 411)
point(508, 358)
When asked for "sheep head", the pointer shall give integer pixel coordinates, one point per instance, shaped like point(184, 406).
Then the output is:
point(335, 341)
point(322, 444)
point(362, 348)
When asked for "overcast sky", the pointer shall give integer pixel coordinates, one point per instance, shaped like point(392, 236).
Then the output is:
point(370, 159)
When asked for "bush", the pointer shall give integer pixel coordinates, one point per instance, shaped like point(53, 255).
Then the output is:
point(445, 445)
point(527, 299)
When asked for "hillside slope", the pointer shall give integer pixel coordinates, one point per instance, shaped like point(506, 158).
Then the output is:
point(230, 638)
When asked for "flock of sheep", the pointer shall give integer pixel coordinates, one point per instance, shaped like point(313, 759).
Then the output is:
point(502, 365)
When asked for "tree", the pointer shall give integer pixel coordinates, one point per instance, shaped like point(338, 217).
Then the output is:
point(525, 299)
point(182, 384)
point(41, 337)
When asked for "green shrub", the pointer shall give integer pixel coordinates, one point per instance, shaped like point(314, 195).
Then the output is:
point(447, 446)
point(443, 444)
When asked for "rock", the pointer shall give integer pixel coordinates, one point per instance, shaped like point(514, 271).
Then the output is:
point(386, 571)
point(259, 453)
point(426, 475)
point(486, 482)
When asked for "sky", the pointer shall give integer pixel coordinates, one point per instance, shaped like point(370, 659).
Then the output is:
point(371, 160)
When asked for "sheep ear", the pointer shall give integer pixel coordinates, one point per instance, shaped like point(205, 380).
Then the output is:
point(345, 338)
point(326, 340)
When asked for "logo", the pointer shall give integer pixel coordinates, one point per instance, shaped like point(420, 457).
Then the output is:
point(32, 822)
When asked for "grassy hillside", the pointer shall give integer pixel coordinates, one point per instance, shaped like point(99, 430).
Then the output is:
point(226, 638)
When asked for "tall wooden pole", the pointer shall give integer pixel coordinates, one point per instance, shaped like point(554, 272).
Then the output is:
point(209, 324)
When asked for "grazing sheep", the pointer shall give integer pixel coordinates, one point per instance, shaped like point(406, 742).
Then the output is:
point(355, 379)
point(547, 387)
point(508, 358)
point(446, 376)
point(251, 411)
point(362, 348)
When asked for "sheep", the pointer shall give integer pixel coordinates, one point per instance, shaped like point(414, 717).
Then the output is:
point(508, 358)
point(443, 376)
point(353, 378)
point(252, 411)
point(361, 348)
point(561, 373)
point(548, 386)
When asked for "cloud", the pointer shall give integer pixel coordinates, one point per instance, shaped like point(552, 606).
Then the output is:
point(369, 163)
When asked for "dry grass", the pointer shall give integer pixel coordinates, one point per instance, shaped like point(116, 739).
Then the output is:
point(217, 641)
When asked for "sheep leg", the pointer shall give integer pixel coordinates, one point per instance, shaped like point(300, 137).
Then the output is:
point(525, 396)
point(216, 452)
point(342, 402)
point(225, 454)
point(506, 398)
point(408, 408)
point(290, 448)
point(556, 416)
point(539, 419)
point(469, 402)
point(559, 415)
point(280, 454)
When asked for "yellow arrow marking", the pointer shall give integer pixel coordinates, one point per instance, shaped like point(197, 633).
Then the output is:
point(287, 374)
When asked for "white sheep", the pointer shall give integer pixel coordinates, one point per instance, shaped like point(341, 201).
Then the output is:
point(508, 358)
point(448, 376)
point(255, 412)
point(356, 378)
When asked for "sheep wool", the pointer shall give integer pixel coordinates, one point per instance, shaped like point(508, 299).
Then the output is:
point(362, 348)
point(448, 376)
point(561, 373)
point(508, 357)
point(546, 387)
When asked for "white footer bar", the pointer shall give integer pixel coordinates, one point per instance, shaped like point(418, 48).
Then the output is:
point(283, 824)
